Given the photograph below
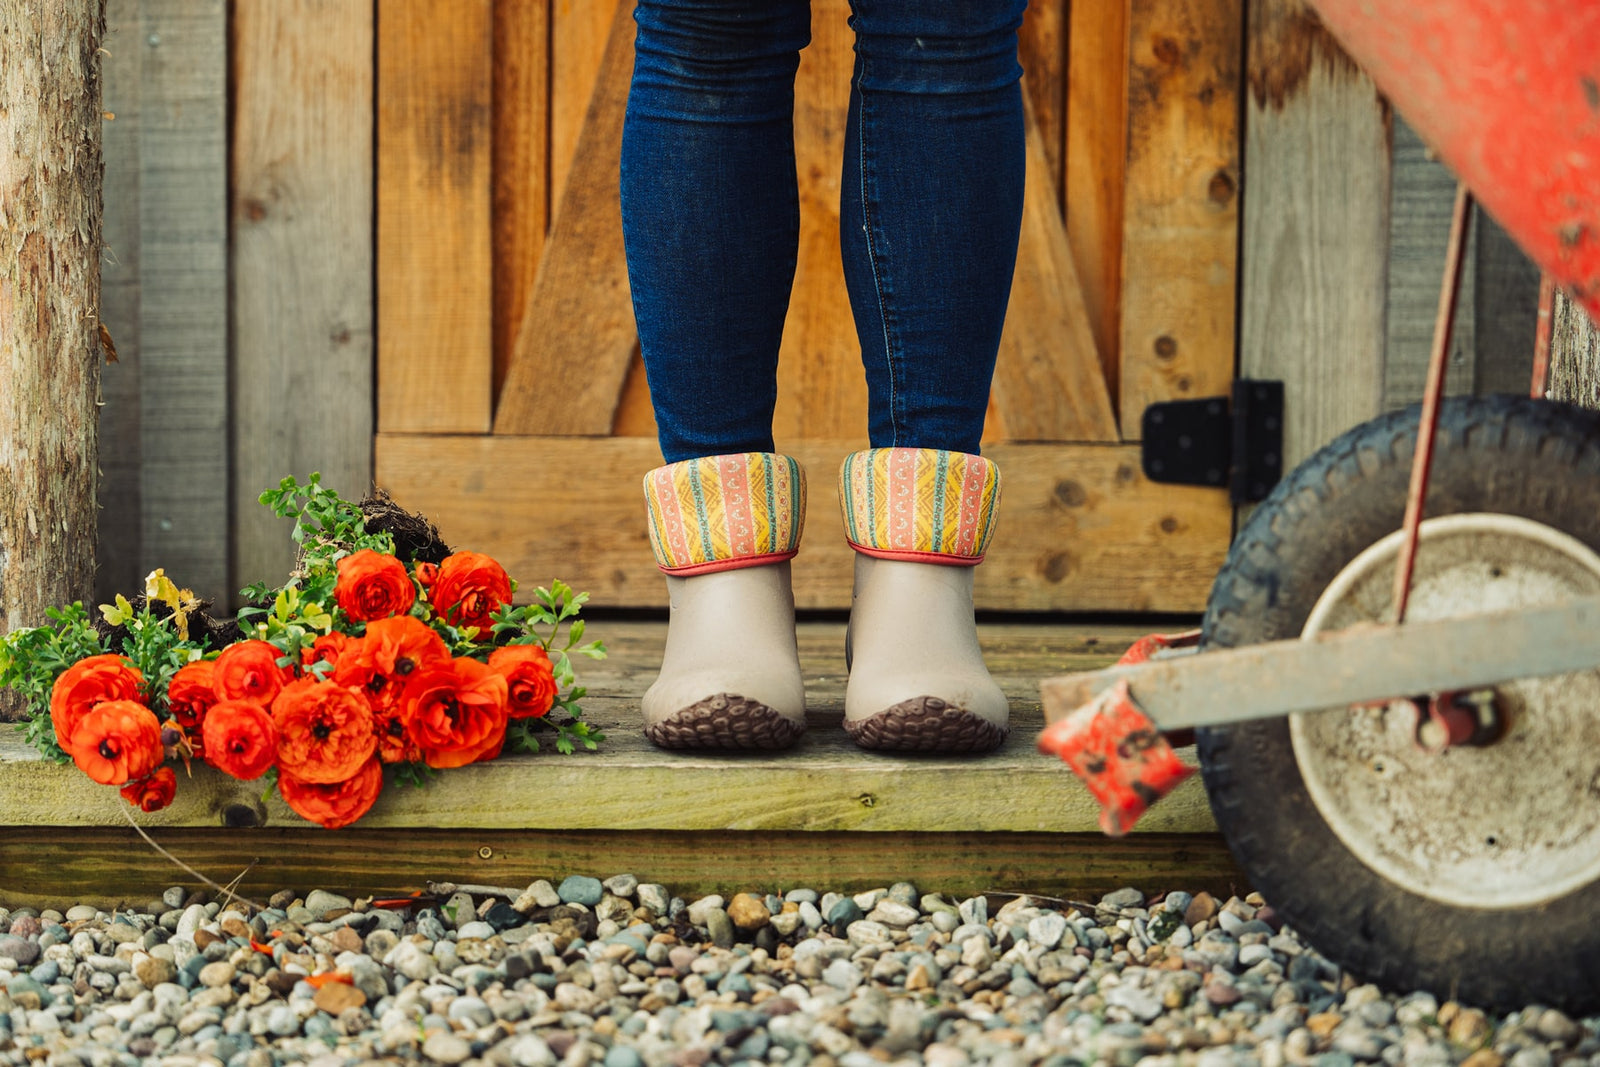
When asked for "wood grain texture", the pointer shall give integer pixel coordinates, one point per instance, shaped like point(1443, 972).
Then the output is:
point(1574, 355)
point(577, 337)
point(302, 262)
point(579, 30)
point(1048, 382)
point(1505, 311)
point(110, 867)
point(822, 389)
point(118, 556)
point(1180, 208)
point(520, 163)
point(1042, 50)
point(1096, 155)
point(1422, 195)
point(1080, 528)
point(824, 784)
point(1316, 228)
point(183, 266)
point(435, 140)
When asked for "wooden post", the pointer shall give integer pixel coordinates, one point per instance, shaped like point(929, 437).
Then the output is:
point(1574, 354)
point(49, 303)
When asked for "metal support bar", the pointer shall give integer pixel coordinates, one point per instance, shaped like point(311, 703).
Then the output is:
point(1355, 666)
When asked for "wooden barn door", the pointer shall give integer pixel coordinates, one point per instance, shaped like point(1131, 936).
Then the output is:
point(512, 403)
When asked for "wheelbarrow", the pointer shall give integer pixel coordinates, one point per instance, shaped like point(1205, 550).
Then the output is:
point(1396, 694)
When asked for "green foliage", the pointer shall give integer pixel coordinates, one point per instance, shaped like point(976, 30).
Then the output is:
point(32, 659)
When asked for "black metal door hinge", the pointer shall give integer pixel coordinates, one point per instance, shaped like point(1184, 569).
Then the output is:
point(1210, 442)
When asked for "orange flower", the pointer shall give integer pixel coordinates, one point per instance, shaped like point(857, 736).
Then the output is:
point(90, 681)
point(334, 804)
point(427, 574)
point(373, 585)
point(394, 740)
point(248, 670)
point(154, 792)
point(239, 739)
point(529, 676)
point(324, 731)
point(457, 712)
point(470, 588)
point(379, 663)
point(190, 694)
point(327, 648)
point(116, 742)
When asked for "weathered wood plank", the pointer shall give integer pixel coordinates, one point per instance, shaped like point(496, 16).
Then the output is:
point(1180, 238)
point(822, 391)
point(579, 30)
point(110, 867)
point(1422, 195)
point(435, 300)
point(1042, 50)
point(1505, 312)
point(1574, 354)
point(1316, 228)
point(824, 783)
point(1087, 532)
point(1048, 383)
point(1096, 153)
point(302, 261)
point(183, 313)
point(520, 164)
point(577, 335)
point(118, 556)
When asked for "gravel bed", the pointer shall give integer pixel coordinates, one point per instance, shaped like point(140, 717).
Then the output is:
point(624, 974)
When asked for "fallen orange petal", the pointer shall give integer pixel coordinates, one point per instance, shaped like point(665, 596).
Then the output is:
point(317, 981)
point(259, 947)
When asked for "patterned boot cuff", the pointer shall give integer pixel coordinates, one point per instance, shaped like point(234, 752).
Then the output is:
point(720, 513)
point(926, 505)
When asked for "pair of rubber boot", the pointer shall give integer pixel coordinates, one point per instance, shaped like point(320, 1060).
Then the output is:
point(724, 529)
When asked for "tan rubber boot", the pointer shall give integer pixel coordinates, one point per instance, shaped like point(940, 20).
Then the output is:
point(723, 529)
point(919, 520)
point(731, 675)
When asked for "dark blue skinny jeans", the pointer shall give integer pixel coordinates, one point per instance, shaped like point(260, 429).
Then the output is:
point(930, 209)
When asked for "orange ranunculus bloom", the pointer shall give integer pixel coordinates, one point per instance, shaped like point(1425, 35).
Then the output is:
point(334, 804)
point(328, 648)
point(153, 792)
point(470, 588)
point(248, 670)
point(324, 731)
point(239, 739)
point(90, 681)
point(190, 694)
point(395, 744)
point(457, 712)
point(373, 585)
point(117, 741)
point(530, 678)
point(392, 650)
point(427, 574)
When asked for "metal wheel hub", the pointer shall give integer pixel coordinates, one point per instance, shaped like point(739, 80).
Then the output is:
point(1510, 824)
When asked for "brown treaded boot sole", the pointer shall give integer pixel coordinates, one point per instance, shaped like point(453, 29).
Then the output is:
point(926, 724)
point(727, 722)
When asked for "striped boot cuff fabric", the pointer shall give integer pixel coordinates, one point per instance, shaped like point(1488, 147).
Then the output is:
point(720, 513)
point(927, 505)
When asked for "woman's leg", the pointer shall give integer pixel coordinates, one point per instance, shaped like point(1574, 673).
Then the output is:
point(710, 213)
point(931, 205)
point(710, 218)
point(930, 214)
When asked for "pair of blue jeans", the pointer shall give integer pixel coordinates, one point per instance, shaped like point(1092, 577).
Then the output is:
point(930, 211)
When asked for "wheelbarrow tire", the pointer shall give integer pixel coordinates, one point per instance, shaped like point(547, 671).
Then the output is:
point(1511, 455)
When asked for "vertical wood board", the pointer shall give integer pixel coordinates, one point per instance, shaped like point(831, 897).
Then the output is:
point(1042, 50)
point(577, 336)
point(302, 262)
point(1316, 228)
point(1505, 312)
point(1180, 208)
point(183, 313)
point(579, 30)
point(1096, 152)
point(435, 297)
point(1574, 354)
point(118, 555)
point(520, 163)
